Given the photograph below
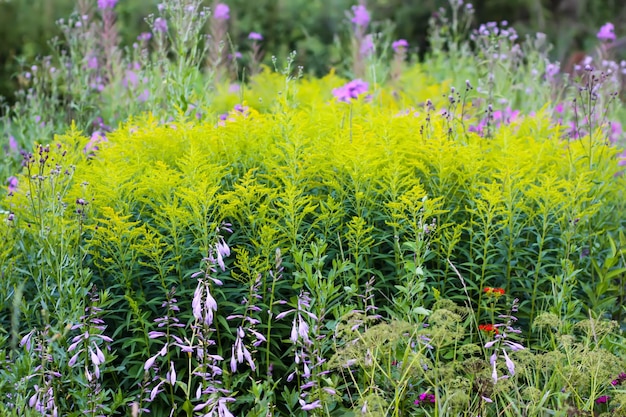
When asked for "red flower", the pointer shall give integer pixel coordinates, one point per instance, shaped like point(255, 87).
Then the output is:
point(488, 328)
point(494, 291)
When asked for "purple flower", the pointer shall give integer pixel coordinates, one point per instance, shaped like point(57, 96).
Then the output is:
point(255, 36)
point(106, 4)
point(616, 131)
point(160, 25)
point(361, 17)
point(144, 96)
point(607, 32)
point(367, 46)
point(603, 399)
point(622, 161)
point(552, 69)
point(620, 378)
point(559, 108)
point(425, 398)
point(312, 406)
point(509, 363)
point(131, 80)
point(12, 143)
point(221, 12)
point(351, 90)
point(144, 37)
point(12, 184)
point(400, 45)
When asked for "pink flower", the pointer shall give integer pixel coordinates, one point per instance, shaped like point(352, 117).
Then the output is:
point(607, 32)
point(400, 44)
point(351, 90)
point(221, 12)
point(106, 4)
point(361, 16)
point(255, 36)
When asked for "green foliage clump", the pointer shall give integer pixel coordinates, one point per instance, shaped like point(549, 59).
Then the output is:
point(333, 211)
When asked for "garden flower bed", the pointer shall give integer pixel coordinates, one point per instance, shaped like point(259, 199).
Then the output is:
point(434, 238)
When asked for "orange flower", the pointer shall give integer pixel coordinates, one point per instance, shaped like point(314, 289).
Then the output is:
point(488, 328)
point(494, 291)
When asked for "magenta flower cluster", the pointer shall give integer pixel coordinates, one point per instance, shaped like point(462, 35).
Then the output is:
point(621, 378)
point(425, 398)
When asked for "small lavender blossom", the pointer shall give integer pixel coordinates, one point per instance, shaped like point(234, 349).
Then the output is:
point(351, 90)
point(300, 328)
point(622, 161)
point(616, 131)
point(13, 146)
point(13, 182)
point(400, 45)
point(312, 406)
point(160, 25)
point(97, 137)
point(607, 32)
point(131, 80)
point(255, 36)
point(367, 46)
point(106, 4)
point(552, 69)
point(92, 62)
point(221, 12)
point(144, 37)
point(361, 17)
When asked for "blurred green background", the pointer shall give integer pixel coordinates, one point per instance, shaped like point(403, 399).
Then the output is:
point(310, 27)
